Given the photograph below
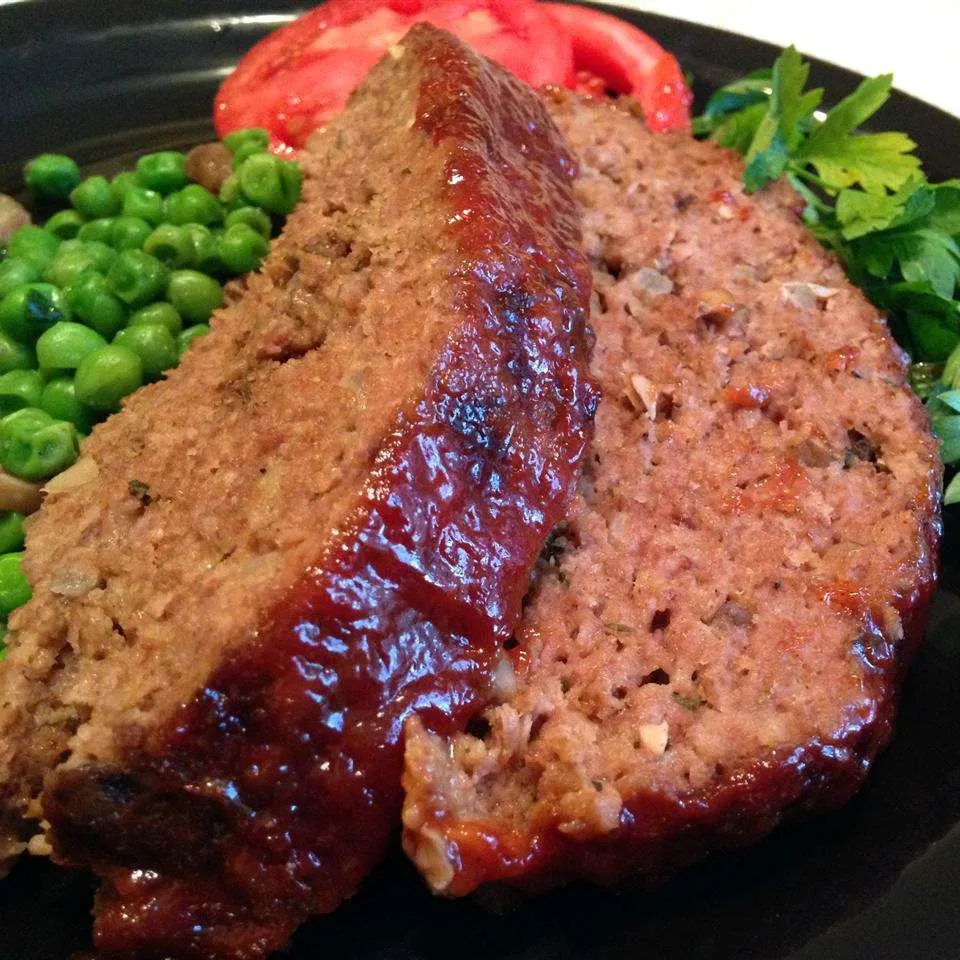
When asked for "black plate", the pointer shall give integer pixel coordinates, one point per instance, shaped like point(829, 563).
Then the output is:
point(878, 881)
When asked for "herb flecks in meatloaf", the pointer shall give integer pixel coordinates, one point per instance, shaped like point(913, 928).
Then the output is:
point(322, 522)
point(721, 640)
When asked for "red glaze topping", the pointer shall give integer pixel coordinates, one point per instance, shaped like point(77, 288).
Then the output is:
point(278, 788)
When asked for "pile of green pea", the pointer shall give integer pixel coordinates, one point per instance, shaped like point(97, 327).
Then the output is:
point(110, 292)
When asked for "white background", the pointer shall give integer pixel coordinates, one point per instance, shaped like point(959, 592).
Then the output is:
point(917, 40)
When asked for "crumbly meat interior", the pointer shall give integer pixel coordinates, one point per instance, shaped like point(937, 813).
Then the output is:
point(755, 483)
point(215, 489)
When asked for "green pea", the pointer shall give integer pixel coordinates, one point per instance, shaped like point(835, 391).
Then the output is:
point(103, 254)
point(100, 230)
point(34, 446)
point(205, 249)
point(163, 313)
point(69, 263)
point(14, 586)
point(107, 375)
point(69, 245)
point(19, 389)
point(270, 182)
point(129, 233)
point(189, 335)
point(95, 198)
point(65, 344)
point(14, 273)
point(143, 203)
point(238, 202)
point(64, 225)
point(242, 248)
point(244, 151)
point(153, 343)
point(51, 176)
point(11, 531)
point(253, 217)
point(194, 295)
point(122, 182)
point(231, 193)
point(170, 245)
point(15, 355)
point(33, 244)
point(255, 136)
point(192, 204)
point(59, 399)
point(92, 301)
point(28, 311)
point(137, 278)
point(163, 172)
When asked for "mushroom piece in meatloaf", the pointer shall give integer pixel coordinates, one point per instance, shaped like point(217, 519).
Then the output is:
point(716, 636)
point(321, 523)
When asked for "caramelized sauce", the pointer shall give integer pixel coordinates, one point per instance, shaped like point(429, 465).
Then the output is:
point(285, 769)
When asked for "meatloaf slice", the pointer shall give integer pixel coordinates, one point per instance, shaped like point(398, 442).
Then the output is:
point(321, 523)
point(716, 636)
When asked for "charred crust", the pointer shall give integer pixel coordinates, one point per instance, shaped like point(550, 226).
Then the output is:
point(113, 815)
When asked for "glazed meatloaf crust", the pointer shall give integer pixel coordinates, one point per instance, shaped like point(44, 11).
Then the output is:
point(716, 637)
point(321, 523)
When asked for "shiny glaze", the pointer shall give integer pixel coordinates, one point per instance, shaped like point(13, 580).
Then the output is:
point(658, 835)
point(278, 788)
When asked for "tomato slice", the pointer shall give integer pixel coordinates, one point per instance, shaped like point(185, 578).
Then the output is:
point(296, 79)
point(628, 61)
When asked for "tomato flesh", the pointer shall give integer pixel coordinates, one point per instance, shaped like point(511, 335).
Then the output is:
point(628, 61)
point(299, 77)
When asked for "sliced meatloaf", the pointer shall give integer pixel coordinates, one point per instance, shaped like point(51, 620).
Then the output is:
point(715, 637)
point(321, 523)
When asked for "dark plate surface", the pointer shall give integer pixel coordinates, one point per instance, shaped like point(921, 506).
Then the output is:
point(878, 881)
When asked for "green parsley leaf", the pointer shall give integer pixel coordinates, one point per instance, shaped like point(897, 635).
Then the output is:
point(733, 99)
point(926, 324)
point(737, 131)
point(922, 255)
point(874, 160)
point(945, 213)
point(950, 398)
point(952, 494)
point(860, 213)
point(951, 370)
point(947, 428)
point(783, 127)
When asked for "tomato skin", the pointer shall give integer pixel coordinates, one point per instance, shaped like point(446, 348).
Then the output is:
point(629, 61)
point(299, 77)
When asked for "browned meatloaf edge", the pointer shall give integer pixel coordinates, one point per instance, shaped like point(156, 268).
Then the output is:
point(717, 635)
point(320, 524)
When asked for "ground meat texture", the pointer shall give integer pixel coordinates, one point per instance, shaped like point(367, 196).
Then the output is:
point(321, 523)
point(716, 638)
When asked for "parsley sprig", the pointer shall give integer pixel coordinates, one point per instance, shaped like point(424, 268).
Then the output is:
point(867, 199)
